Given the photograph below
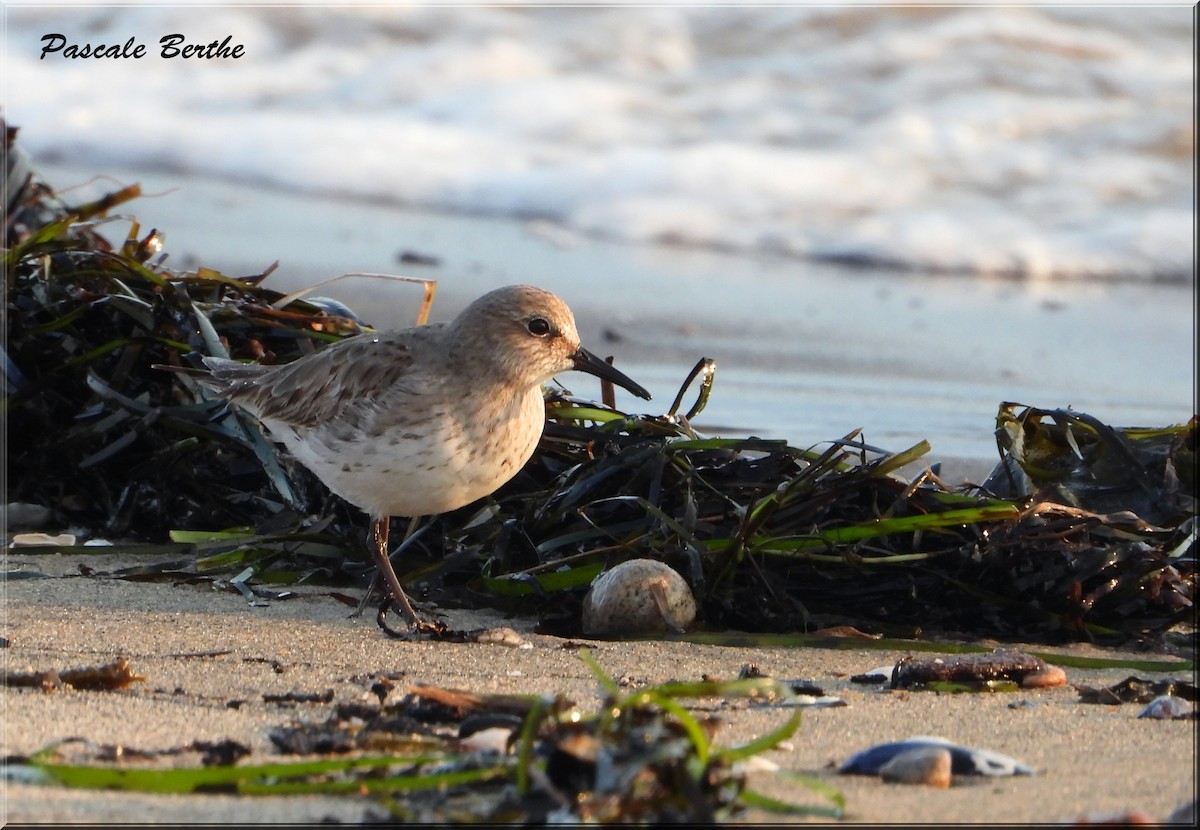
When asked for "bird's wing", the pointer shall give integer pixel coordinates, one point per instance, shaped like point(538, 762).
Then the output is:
point(337, 382)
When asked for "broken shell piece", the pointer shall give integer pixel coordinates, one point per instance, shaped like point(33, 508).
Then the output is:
point(500, 637)
point(641, 596)
point(963, 759)
point(928, 765)
point(32, 539)
point(1166, 707)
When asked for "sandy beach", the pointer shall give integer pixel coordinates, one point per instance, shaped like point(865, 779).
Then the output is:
point(1090, 761)
point(775, 379)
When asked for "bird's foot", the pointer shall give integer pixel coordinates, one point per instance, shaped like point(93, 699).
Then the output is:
point(416, 626)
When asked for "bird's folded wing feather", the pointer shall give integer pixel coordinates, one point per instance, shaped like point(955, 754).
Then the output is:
point(333, 383)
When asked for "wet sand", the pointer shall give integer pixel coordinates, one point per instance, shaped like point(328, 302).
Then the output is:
point(1089, 760)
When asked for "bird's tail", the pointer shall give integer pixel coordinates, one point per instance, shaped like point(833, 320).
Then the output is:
point(217, 373)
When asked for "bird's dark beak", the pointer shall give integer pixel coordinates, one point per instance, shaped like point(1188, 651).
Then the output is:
point(585, 361)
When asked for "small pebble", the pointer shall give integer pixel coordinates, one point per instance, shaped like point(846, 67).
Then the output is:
point(641, 596)
point(926, 765)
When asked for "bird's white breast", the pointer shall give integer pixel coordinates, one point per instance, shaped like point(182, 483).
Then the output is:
point(396, 464)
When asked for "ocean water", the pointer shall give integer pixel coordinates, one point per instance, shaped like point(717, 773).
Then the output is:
point(1040, 143)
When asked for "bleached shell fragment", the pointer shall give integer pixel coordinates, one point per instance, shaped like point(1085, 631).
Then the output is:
point(964, 760)
point(1166, 707)
point(32, 539)
point(500, 637)
point(640, 596)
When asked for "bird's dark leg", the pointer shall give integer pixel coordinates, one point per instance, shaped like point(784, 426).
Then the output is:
point(409, 537)
point(379, 537)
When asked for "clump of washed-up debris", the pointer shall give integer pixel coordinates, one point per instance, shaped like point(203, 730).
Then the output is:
point(435, 755)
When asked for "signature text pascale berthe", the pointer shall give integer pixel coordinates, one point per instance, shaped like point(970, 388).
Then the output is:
point(170, 46)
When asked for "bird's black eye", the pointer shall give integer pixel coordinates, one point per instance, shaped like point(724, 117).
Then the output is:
point(538, 327)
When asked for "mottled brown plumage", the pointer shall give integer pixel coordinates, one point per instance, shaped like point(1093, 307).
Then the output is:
point(423, 420)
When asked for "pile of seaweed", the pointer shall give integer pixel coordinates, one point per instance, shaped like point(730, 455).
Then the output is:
point(1083, 530)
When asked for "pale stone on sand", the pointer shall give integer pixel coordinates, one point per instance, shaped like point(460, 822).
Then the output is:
point(640, 596)
point(926, 765)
